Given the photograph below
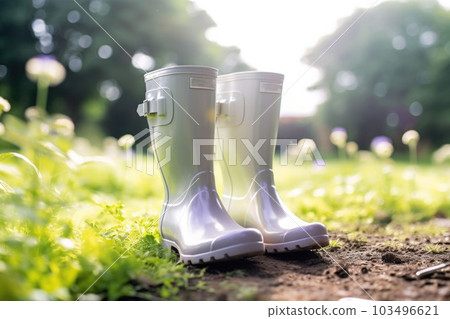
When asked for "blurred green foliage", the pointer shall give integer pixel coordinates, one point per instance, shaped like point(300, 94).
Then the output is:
point(169, 31)
point(388, 73)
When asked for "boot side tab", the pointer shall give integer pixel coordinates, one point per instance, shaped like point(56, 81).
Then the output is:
point(157, 107)
point(229, 109)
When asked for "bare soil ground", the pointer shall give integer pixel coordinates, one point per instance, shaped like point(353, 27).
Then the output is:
point(377, 267)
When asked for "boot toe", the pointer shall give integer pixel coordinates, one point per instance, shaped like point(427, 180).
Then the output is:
point(243, 236)
point(310, 230)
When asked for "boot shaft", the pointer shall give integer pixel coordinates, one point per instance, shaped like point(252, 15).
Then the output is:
point(248, 110)
point(179, 106)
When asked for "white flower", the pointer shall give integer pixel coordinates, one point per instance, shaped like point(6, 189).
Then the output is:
point(442, 154)
point(319, 192)
point(4, 105)
point(39, 295)
point(33, 113)
point(63, 125)
point(382, 146)
point(338, 137)
point(66, 243)
point(45, 68)
point(126, 141)
point(352, 148)
point(410, 137)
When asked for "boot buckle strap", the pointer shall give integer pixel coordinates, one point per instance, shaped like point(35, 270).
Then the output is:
point(230, 109)
point(221, 107)
point(157, 107)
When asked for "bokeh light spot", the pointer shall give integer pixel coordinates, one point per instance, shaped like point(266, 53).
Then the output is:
point(399, 42)
point(105, 51)
point(392, 119)
point(415, 108)
point(143, 61)
point(73, 16)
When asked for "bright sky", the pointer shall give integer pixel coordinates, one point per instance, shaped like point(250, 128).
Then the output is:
point(274, 34)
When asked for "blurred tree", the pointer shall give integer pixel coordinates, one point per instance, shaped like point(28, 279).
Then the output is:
point(102, 86)
point(389, 72)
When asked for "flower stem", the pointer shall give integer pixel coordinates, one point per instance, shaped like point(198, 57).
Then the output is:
point(341, 153)
point(41, 96)
point(413, 153)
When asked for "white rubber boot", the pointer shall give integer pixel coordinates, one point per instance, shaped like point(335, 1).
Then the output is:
point(179, 107)
point(248, 109)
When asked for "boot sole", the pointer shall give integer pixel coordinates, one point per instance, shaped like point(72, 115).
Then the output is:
point(223, 254)
point(299, 244)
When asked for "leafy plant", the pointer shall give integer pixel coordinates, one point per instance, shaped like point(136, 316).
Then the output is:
point(65, 232)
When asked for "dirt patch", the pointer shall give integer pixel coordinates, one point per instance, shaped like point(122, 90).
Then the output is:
point(391, 258)
point(378, 267)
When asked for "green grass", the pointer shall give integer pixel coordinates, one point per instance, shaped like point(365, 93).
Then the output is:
point(435, 249)
point(74, 219)
point(335, 243)
point(393, 244)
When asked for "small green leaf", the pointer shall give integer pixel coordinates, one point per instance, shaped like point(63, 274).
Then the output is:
point(4, 156)
point(5, 187)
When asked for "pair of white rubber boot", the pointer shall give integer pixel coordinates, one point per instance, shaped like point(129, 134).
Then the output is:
point(185, 114)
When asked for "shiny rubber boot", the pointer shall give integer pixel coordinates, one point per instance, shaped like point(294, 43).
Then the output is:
point(247, 117)
point(179, 106)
